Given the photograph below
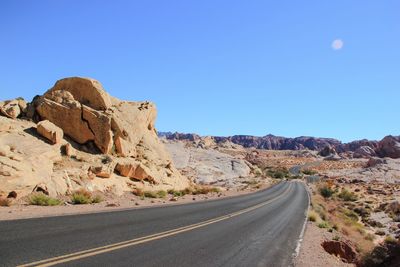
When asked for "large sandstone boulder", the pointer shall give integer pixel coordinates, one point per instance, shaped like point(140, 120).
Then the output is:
point(87, 113)
point(87, 91)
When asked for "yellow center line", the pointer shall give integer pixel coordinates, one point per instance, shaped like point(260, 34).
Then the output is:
point(104, 249)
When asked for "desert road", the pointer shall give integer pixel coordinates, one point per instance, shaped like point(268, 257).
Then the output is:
point(259, 229)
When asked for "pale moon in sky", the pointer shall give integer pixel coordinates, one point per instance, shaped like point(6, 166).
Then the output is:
point(337, 44)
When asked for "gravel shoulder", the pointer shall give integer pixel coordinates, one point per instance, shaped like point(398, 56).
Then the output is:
point(313, 254)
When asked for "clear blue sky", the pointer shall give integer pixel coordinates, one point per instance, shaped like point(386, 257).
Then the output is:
point(218, 67)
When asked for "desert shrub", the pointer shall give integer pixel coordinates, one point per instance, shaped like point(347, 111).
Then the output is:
point(176, 193)
point(308, 172)
point(41, 199)
point(203, 190)
point(369, 237)
point(5, 202)
point(150, 194)
point(323, 224)
point(350, 215)
point(347, 195)
point(97, 199)
point(312, 216)
point(336, 238)
point(320, 209)
point(326, 191)
point(363, 212)
point(161, 194)
point(81, 197)
point(187, 191)
point(280, 173)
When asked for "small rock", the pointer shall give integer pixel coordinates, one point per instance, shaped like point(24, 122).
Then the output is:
point(12, 194)
point(11, 109)
point(102, 171)
point(372, 162)
point(174, 199)
point(50, 131)
point(112, 205)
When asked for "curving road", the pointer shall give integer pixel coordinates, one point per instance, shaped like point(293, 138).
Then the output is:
point(260, 229)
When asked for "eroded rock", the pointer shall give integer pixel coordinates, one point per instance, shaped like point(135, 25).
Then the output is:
point(341, 249)
point(50, 131)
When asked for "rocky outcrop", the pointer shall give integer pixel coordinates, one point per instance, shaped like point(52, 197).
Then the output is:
point(389, 147)
point(328, 151)
point(207, 165)
point(344, 250)
point(104, 137)
point(364, 152)
point(86, 113)
point(49, 131)
point(372, 162)
point(13, 108)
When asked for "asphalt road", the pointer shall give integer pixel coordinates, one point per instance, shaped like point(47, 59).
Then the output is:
point(260, 229)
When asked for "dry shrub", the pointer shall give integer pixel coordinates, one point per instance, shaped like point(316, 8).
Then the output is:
point(5, 202)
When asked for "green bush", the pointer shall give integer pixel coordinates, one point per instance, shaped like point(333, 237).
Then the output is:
point(323, 225)
point(41, 199)
point(326, 191)
point(278, 173)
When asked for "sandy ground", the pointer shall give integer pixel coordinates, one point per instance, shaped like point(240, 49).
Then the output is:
point(311, 251)
point(127, 201)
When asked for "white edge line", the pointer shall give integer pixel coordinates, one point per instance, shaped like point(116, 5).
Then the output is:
point(300, 240)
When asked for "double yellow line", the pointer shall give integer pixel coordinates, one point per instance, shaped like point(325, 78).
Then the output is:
point(104, 249)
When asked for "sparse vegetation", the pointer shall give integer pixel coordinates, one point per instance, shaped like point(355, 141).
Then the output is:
point(83, 196)
point(203, 190)
point(40, 199)
point(278, 173)
point(323, 224)
point(312, 216)
point(347, 195)
point(177, 193)
point(308, 172)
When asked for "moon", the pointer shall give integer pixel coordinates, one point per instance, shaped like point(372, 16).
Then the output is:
point(337, 44)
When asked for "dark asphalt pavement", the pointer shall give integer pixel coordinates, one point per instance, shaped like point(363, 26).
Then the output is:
point(265, 235)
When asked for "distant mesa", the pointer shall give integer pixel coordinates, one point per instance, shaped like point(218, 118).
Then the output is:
point(387, 147)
